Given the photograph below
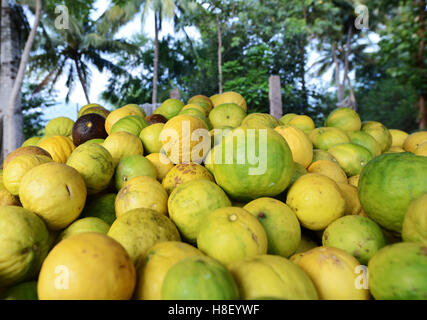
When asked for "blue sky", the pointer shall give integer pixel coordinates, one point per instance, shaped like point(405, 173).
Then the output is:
point(99, 80)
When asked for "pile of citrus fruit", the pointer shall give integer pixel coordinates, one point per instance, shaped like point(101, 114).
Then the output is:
point(205, 201)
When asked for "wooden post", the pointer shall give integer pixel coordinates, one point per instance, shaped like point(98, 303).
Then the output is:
point(275, 95)
point(174, 94)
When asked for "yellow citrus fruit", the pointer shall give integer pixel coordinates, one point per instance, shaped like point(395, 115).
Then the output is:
point(303, 122)
point(214, 99)
point(24, 245)
point(325, 138)
point(395, 150)
point(230, 234)
point(59, 147)
point(344, 118)
point(185, 172)
point(25, 150)
point(334, 272)
point(351, 197)
point(397, 137)
point(286, 118)
point(139, 229)
point(120, 144)
point(183, 133)
point(87, 266)
point(379, 132)
point(271, 276)
point(421, 150)
point(55, 192)
point(33, 141)
point(300, 145)
point(414, 140)
point(18, 167)
point(354, 180)
point(141, 192)
point(231, 97)
point(118, 114)
point(150, 138)
point(414, 228)
point(316, 200)
point(330, 169)
point(85, 107)
point(280, 223)
point(194, 106)
point(6, 198)
point(159, 259)
point(162, 164)
point(203, 101)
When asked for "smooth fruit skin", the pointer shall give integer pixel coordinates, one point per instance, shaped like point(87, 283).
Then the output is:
point(414, 140)
point(229, 234)
point(150, 137)
point(303, 122)
point(120, 144)
point(88, 127)
point(88, 224)
point(397, 137)
point(357, 235)
point(351, 196)
point(95, 165)
point(241, 175)
point(60, 126)
point(130, 124)
point(316, 200)
point(59, 147)
point(399, 272)
point(345, 119)
point(190, 203)
point(334, 273)
point(199, 278)
point(272, 276)
point(87, 266)
point(162, 164)
point(280, 223)
point(133, 166)
point(25, 150)
point(421, 150)
point(365, 140)
point(231, 97)
point(379, 132)
point(101, 206)
point(141, 192)
point(286, 118)
point(118, 114)
point(325, 138)
point(24, 245)
point(228, 114)
point(54, 191)
point(351, 157)
point(414, 228)
point(158, 260)
point(169, 108)
point(139, 229)
point(330, 169)
point(388, 184)
point(259, 121)
point(300, 145)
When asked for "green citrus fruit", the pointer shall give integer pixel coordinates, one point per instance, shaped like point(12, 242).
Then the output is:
point(133, 166)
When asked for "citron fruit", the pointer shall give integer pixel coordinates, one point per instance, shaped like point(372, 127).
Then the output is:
point(351, 157)
point(150, 137)
point(199, 278)
point(231, 97)
point(259, 121)
point(365, 140)
point(227, 115)
point(185, 172)
point(59, 147)
point(133, 166)
point(23, 246)
point(316, 200)
point(191, 202)
point(60, 126)
point(379, 132)
point(421, 150)
point(230, 234)
point(139, 229)
point(325, 138)
point(272, 276)
point(414, 140)
point(101, 206)
point(87, 266)
point(141, 192)
point(88, 224)
point(351, 196)
point(162, 164)
point(357, 235)
point(54, 191)
point(328, 168)
point(120, 144)
point(95, 165)
point(159, 259)
point(118, 114)
point(414, 227)
point(334, 273)
point(169, 108)
point(397, 137)
point(33, 150)
point(280, 223)
point(300, 145)
point(303, 122)
point(344, 118)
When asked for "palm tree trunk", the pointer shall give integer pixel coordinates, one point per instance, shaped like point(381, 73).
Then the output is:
point(340, 91)
point(82, 81)
point(220, 77)
point(156, 58)
point(13, 119)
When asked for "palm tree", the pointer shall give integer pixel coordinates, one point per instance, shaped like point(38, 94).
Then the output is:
point(12, 116)
point(72, 50)
point(124, 11)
